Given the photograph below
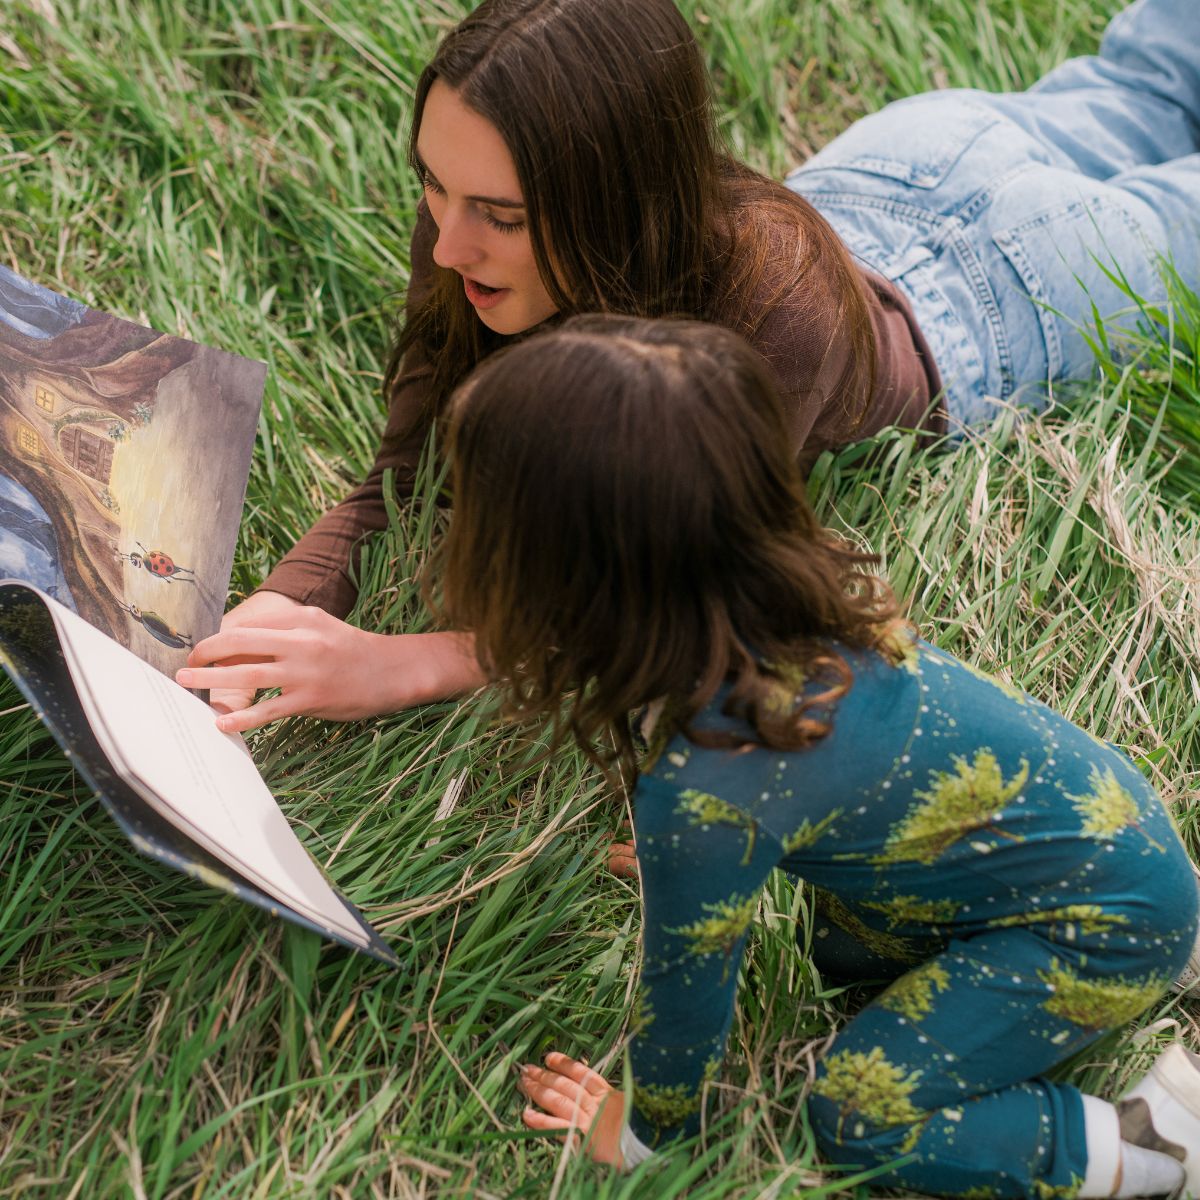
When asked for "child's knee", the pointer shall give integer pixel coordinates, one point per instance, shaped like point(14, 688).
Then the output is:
point(864, 1131)
point(1173, 897)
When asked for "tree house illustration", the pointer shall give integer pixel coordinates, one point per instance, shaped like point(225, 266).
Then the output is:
point(28, 442)
point(87, 452)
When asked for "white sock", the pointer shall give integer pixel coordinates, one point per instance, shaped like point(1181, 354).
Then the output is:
point(1119, 1169)
point(1147, 1172)
point(1102, 1131)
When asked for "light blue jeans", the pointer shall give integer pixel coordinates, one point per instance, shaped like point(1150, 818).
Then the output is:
point(1001, 216)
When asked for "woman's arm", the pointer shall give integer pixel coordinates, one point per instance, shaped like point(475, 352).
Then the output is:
point(287, 634)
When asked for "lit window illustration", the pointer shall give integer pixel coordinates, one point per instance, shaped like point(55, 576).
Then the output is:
point(45, 398)
point(27, 440)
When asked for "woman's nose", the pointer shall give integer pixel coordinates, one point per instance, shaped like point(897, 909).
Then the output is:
point(456, 246)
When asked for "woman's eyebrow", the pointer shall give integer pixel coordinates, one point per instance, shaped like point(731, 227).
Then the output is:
point(494, 201)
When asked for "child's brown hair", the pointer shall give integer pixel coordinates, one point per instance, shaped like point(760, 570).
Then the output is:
point(629, 524)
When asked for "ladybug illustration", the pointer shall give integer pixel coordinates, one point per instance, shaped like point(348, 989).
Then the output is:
point(160, 564)
point(157, 628)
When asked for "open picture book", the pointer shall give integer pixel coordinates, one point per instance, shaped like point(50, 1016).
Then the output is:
point(124, 455)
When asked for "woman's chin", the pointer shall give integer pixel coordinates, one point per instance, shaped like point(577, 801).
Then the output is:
point(496, 322)
point(510, 324)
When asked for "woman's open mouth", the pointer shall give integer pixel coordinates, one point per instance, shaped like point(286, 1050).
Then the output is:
point(481, 295)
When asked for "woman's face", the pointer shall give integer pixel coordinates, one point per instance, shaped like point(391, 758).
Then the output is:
point(474, 197)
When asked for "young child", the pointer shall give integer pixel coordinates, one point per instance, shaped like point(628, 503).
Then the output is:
point(630, 531)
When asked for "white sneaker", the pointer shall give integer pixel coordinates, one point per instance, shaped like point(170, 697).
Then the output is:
point(1162, 1110)
point(1187, 979)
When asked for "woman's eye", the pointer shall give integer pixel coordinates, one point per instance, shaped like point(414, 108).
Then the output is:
point(429, 183)
point(503, 226)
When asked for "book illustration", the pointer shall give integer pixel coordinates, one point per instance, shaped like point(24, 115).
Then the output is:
point(157, 628)
point(124, 454)
point(160, 565)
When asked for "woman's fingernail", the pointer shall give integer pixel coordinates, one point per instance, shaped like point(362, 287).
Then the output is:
point(184, 678)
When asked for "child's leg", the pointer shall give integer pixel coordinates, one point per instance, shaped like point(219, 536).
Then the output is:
point(946, 1065)
point(851, 944)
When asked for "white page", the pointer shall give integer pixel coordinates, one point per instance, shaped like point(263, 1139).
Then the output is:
point(164, 742)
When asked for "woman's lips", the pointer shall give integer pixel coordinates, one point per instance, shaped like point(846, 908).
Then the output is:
point(481, 298)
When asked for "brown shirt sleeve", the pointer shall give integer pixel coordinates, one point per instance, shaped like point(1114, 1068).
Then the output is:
point(809, 356)
point(317, 569)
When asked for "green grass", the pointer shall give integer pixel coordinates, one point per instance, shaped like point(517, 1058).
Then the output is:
point(235, 172)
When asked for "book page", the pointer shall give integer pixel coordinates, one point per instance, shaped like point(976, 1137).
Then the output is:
point(165, 743)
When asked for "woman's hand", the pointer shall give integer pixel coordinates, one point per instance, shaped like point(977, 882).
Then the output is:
point(262, 606)
point(566, 1094)
point(322, 666)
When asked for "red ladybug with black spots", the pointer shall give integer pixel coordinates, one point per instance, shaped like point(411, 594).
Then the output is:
point(160, 564)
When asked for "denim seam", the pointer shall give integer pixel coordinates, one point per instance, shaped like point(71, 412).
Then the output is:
point(939, 319)
point(1009, 243)
point(989, 305)
point(890, 207)
point(972, 207)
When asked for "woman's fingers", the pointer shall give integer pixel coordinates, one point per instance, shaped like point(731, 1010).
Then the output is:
point(248, 642)
point(257, 715)
point(251, 677)
point(230, 700)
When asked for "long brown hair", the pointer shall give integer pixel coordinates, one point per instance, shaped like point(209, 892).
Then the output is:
point(629, 524)
point(632, 205)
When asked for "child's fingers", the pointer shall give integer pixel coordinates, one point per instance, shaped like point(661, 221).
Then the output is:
point(558, 1095)
point(545, 1123)
point(594, 1083)
point(622, 860)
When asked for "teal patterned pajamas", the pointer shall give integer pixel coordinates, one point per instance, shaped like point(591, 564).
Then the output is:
point(1017, 879)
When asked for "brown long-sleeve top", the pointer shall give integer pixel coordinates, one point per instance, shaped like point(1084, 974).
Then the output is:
point(906, 392)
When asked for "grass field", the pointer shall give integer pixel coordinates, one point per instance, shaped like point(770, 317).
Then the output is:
point(234, 172)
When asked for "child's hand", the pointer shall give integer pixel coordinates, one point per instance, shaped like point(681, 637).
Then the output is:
point(622, 859)
point(569, 1094)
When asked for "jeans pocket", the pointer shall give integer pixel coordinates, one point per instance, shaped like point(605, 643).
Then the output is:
point(1066, 258)
point(915, 141)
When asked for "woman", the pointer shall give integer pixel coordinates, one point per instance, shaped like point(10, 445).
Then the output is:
point(630, 531)
point(571, 164)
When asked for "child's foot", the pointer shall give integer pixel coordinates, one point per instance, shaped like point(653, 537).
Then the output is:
point(1162, 1110)
point(1189, 978)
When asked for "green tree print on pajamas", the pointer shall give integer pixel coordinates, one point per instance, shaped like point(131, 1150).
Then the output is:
point(1016, 880)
